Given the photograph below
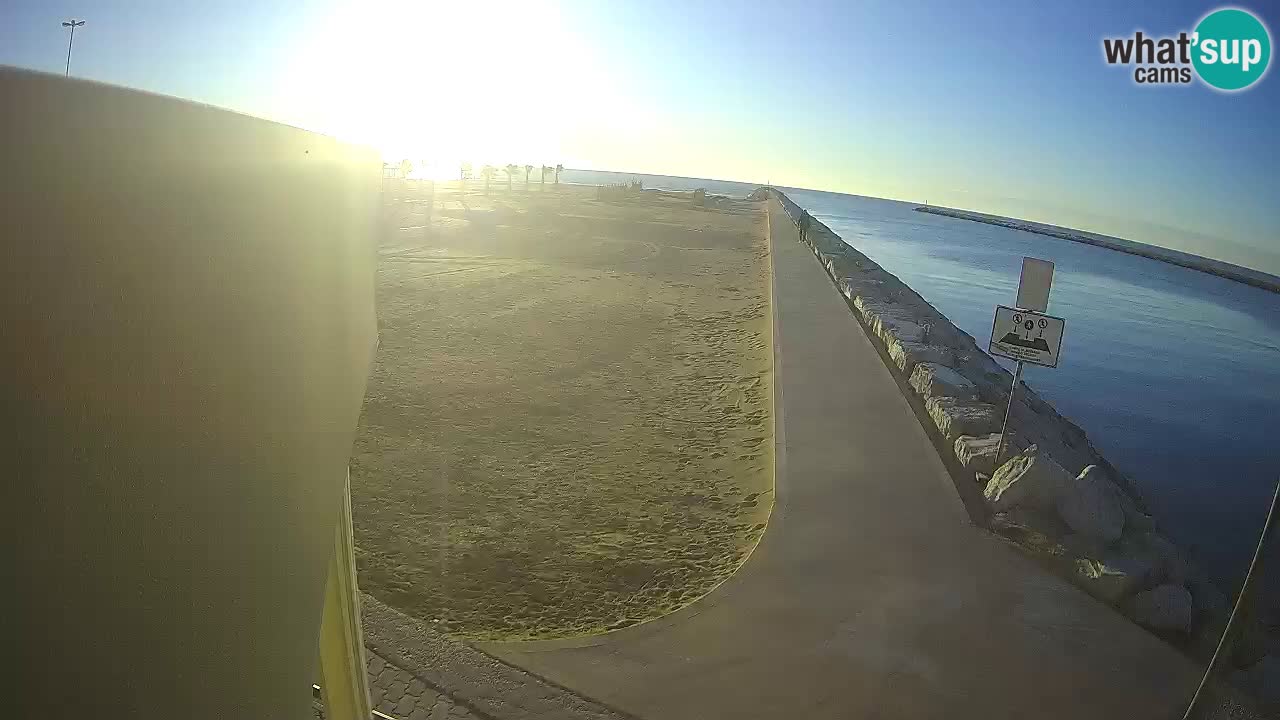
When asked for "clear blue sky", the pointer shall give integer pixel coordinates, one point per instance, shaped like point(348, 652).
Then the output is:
point(1004, 107)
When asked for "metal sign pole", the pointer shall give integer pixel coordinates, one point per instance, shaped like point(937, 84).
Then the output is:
point(1012, 328)
point(1004, 429)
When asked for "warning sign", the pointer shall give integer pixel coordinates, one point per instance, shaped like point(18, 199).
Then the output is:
point(1026, 336)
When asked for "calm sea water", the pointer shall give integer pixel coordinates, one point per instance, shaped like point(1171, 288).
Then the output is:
point(1175, 374)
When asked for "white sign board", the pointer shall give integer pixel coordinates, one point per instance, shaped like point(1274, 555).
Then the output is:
point(1034, 284)
point(1026, 336)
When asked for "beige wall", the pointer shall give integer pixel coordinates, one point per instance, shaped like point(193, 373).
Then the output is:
point(187, 301)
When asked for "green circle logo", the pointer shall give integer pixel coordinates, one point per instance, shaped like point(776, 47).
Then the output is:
point(1232, 49)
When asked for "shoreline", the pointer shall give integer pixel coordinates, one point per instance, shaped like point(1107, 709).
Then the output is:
point(1209, 266)
point(1055, 497)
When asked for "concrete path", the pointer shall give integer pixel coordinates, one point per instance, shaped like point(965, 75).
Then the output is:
point(871, 594)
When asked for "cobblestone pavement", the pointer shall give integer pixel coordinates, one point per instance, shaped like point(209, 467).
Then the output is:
point(399, 694)
point(417, 673)
point(477, 684)
point(403, 696)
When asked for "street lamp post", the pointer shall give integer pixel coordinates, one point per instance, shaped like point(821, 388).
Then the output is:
point(73, 24)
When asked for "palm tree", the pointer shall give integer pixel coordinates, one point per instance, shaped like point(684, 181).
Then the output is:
point(511, 171)
point(542, 179)
point(486, 172)
point(527, 169)
point(559, 167)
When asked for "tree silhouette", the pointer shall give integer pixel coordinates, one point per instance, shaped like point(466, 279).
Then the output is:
point(511, 171)
point(527, 169)
point(487, 172)
point(559, 168)
point(542, 179)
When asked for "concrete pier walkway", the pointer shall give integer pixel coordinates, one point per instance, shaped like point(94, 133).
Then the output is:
point(871, 595)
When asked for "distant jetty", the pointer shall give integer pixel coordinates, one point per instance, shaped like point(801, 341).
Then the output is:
point(1226, 270)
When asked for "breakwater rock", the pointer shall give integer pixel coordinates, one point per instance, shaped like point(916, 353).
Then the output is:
point(1053, 494)
point(1227, 270)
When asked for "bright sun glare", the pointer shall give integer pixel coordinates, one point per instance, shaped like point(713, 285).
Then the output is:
point(444, 82)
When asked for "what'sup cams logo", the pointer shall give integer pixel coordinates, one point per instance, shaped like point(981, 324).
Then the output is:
point(1229, 50)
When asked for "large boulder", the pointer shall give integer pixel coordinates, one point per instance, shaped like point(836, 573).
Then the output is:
point(1262, 681)
point(991, 380)
point(1172, 562)
point(848, 287)
point(1250, 642)
point(1035, 403)
point(1044, 522)
point(903, 329)
point(1072, 434)
point(856, 288)
point(1210, 609)
point(1078, 545)
point(1035, 533)
point(1207, 599)
point(871, 307)
point(932, 379)
point(978, 453)
point(824, 241)
point(840, 265)
point(892, 321)
point(1111, 582)
point(1135, 518)
point(1029, 479)
point(1156, 551)
point(1164, 607)
point(1205, 634)
point(1089, 506)
point(870, 302)
point(906, 355)
point(954, 417)
point(1145, 570)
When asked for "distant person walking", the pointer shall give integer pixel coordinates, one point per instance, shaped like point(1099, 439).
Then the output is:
point(803, 224)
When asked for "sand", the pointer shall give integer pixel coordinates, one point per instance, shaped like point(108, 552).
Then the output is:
point(568, 428)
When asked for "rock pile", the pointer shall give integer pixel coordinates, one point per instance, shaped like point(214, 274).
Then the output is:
point(1053, 494)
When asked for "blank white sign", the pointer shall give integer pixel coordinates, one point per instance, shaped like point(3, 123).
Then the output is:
point(1033, 286)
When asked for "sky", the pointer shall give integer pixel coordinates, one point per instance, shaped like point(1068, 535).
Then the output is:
point(997, 106)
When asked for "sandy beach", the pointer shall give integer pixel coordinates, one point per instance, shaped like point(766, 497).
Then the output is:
point(568, 428)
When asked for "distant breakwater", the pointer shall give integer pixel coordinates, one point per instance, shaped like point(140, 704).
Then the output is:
point(1054, 495)
point(1210, 266)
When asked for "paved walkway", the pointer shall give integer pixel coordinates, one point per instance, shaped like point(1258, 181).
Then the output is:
point(871, 594)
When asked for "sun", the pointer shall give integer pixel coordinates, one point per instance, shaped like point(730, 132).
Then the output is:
point(440, 82)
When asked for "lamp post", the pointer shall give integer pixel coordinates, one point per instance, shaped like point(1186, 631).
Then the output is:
point(73, 24)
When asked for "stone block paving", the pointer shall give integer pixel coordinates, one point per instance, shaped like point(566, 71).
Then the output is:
point(398, 693)
point(418, 673)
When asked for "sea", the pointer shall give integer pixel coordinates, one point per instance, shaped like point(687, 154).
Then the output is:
point(1173, 373)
